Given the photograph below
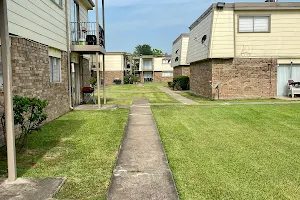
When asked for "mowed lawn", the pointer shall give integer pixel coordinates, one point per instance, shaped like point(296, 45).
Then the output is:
point(81, 146)
point(202, 100)
point(233, 152)
point(125, 94)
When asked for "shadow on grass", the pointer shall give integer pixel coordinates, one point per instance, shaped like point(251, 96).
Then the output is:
point(51, 135)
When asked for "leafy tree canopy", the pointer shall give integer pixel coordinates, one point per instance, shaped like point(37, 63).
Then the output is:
point(146, 49)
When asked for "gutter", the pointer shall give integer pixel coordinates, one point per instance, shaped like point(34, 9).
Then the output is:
point(68, 52)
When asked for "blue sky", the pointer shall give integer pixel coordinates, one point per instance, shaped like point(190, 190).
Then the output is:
point(154, 22)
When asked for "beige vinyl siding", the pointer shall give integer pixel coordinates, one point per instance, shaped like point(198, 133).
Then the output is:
point(159, 66)
point(83, 13)
point(283, 40)
point(39, 20)
point(113, 62)
point(222, 40)
point(184, 49)
point(196, 50)
point(288, 61)
point(176, 46)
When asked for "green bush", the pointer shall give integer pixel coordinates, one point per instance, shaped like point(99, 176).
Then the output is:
point(130, 79)
point(181, 82)
point(171, 84)
point(28, 116)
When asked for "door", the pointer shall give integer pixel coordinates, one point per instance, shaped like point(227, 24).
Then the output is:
point(75, 21)
point(148, 76)
point(76, 90)
point(285, 73)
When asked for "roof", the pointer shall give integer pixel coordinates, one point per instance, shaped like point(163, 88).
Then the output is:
point(250, 6)
point(116, 53)
point(90, 4)
point(181, 36)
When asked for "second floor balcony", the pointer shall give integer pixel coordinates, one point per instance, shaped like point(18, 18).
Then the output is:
point(85, 39)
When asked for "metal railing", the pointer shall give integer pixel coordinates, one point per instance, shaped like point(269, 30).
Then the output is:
point(85, 33)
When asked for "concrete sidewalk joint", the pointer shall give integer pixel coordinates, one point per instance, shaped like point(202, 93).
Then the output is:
point(178, 97)
point(142, 170)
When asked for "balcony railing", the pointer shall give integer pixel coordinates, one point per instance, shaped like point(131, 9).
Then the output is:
point(85, 33)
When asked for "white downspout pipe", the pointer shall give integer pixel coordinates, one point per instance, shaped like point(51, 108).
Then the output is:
point(8, 99)
point(97, 54)
point(68, 52)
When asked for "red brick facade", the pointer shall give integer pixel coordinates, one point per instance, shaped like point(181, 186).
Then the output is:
point(110, 76)
point(182, 71)
point(159, 78)
point(240, 78)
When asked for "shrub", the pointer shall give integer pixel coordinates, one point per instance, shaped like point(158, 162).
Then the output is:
point(130, 79)
point(28, 116)
point(171, 84)
point(181, 82)
point(93, 81)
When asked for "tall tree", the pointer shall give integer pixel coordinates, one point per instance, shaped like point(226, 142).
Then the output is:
point(157, 52)
point(144, 49)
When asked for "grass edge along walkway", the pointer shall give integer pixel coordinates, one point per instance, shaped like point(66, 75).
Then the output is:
point(142, 170)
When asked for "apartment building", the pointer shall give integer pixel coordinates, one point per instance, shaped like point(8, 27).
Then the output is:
point(51, 42)
point(154, 69)
point(245, 50)
point(179, 55)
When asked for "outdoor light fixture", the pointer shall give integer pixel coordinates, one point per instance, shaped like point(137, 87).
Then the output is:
point(220, 5)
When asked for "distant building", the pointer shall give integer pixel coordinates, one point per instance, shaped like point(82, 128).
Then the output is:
point(179, 56)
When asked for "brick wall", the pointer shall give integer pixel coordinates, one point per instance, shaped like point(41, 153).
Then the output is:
point(111, 75)
point(159, 78)
point(31, 76)
point(181, 71)
point(240, 78)
point(245, 78)
point(201, 74)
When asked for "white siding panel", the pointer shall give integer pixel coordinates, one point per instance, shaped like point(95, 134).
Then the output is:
point(39, 20)
point(184, 49)
point(283, 41)
point(196, 50)
point(160, 66)
point(113, 62)
point(222, 40)
point(176, 52)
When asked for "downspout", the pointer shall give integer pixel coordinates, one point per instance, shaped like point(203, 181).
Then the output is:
point(68, 52)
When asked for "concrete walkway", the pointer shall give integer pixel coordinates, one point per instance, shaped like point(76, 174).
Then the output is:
point(142, 170)
point(178, 97)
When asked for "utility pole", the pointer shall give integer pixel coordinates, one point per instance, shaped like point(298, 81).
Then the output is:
point(7, 87)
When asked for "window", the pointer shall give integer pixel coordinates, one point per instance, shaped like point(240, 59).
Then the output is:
point(166, 61)
point(147, 64)
point(250, 24)
point(55, 70)
point(167, 74)
point(58, 2)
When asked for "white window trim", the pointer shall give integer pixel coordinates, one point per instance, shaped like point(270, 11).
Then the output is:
point(254, 16)
point(170, 74)
point(60, 4)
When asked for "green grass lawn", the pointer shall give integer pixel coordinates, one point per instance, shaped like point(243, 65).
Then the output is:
point(125, 94)
point(233, 152)
point(202, 100)
point(81, 146)
point(136, 87)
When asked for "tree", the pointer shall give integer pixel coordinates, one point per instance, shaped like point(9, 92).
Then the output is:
point(157, 52)
point(144, 49)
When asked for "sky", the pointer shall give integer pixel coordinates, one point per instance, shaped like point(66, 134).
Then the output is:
point(155, 22)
